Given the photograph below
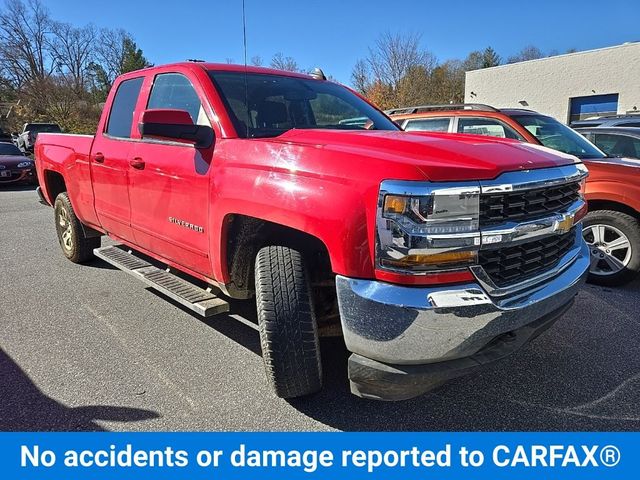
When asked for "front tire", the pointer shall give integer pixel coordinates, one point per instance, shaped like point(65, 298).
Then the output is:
point(75, 245)
point(287, 324)
point(614, 244)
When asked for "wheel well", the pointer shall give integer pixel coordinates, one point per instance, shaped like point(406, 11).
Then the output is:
point(246, 235)
point(611, 205)
point(55, 184)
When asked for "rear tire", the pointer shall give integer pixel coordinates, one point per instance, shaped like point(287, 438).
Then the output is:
point(288, 329)
point(614, 245)
point(75, 245)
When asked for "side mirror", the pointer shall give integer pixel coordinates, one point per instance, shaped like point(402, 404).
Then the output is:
point(175, 125)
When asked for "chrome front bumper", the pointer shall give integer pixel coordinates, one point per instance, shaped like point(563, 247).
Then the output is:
point(398, 325)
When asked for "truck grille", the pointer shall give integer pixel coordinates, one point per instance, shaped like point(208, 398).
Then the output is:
point(527, 204)
point(520, 262)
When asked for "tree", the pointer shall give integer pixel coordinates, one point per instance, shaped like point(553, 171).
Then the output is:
point(447, 83)
point(395, 70)
point(132, 56)
point(360, 77)
point(116, 53)
point(73, 51)
point(24, 42)
point(474, 61)
point(530, 52)
point(490, 58)
point(414, 88)
point(256, 61)
point(381, 95)
point(393, 55)
point(280, 62)
point(55, 71)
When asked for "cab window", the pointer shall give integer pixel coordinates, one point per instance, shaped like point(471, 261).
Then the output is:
point(428, 125)
point(124, 103)
point(175, 91)
point(487, 126)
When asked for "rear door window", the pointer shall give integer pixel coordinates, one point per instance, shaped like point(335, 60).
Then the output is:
point(440, 124)
point(487, 126)
point(124, 103)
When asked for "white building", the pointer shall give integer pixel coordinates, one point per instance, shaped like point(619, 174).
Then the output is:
point(568, 87)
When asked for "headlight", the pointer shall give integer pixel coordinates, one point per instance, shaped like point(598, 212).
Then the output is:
point(431, 229)
point(25, 164)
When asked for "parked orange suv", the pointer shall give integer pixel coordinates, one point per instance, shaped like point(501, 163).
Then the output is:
point(612, 227)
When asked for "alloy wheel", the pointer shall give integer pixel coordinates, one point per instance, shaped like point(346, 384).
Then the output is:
point(65, 229)
point(609, 247)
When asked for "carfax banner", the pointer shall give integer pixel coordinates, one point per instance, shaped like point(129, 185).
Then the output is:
point(195, 456)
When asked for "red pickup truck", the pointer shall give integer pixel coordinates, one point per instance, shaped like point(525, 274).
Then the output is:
point(432, 254)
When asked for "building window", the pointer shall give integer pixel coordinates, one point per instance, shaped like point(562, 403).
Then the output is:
point(582, 108)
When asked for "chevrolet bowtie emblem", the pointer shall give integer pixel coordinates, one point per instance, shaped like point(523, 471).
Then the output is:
point(564, 225)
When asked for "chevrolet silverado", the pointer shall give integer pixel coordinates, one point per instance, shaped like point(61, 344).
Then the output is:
point(431, 254)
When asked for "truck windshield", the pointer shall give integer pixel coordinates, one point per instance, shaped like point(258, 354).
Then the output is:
point(554, 134)
point(264, 105)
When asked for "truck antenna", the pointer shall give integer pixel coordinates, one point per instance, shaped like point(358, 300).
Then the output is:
point(246, 81)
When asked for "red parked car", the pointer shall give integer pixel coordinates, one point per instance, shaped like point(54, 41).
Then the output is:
point(249, 182)
point(612, 227)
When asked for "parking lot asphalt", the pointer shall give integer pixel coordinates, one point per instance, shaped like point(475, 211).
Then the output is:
point(90, 348)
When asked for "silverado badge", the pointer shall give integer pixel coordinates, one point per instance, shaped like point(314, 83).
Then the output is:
point(190, 226)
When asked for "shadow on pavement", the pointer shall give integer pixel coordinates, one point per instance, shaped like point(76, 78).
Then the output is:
point(582, 374)
point(243, 332)
point(25, 408)
point(18, 187)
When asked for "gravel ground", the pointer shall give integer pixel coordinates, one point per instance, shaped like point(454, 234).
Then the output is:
point(90, 348)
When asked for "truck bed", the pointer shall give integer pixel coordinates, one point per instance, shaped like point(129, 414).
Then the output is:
point(67, 156)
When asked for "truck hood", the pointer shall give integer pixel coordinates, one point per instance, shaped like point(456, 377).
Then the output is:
point(439, 156)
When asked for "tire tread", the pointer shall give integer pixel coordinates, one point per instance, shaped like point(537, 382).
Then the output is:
point(287, 325)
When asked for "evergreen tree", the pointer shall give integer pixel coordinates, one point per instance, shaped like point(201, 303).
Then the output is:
point(132, 57)
point(490, 58)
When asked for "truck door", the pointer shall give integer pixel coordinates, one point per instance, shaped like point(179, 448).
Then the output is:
point(110, 156)
point(169, 183)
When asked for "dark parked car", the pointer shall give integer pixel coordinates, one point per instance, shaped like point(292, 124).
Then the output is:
point(629, 120)
point(14, 166)
point(615, 141)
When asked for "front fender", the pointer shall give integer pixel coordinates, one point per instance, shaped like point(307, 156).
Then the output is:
point(334, 211)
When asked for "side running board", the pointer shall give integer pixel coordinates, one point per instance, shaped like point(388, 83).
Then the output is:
point(201, 301)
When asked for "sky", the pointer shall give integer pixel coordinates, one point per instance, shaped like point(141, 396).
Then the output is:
point(334, 34)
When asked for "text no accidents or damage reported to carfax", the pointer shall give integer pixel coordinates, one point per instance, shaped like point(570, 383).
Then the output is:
point(310, 461)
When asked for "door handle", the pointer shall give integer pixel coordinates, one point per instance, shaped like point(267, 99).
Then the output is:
point(98, 158)
point(137, 163)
